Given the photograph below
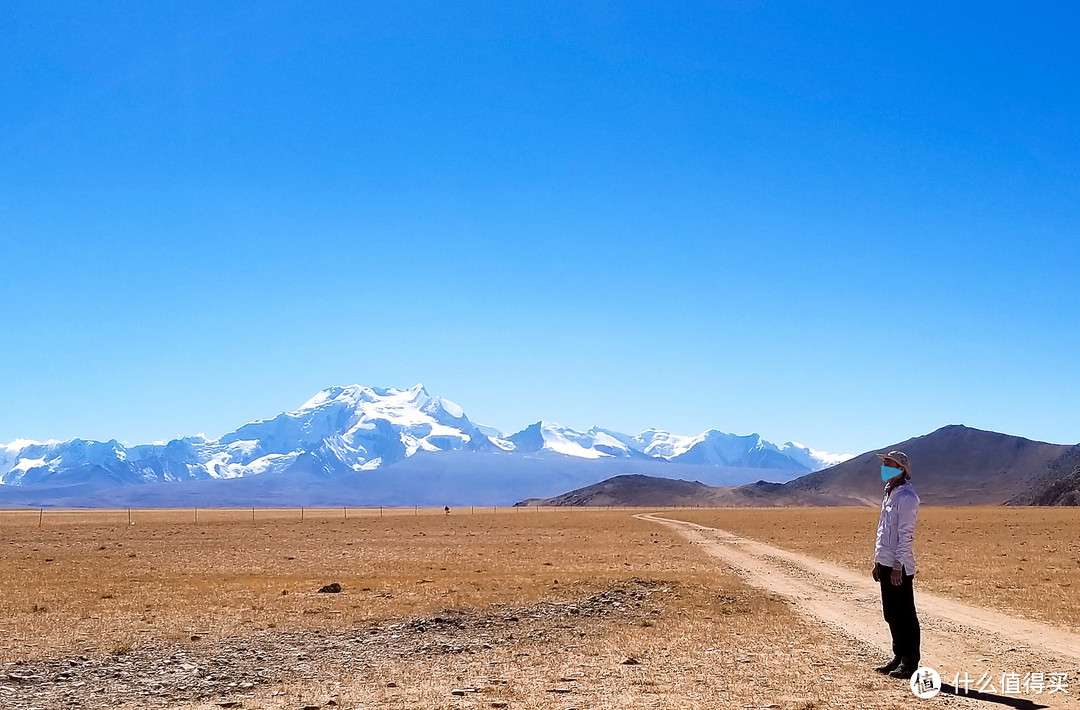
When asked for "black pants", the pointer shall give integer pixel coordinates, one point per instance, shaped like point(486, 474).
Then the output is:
point(898, 606)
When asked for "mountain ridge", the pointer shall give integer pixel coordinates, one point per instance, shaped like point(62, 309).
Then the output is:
point(347, 429)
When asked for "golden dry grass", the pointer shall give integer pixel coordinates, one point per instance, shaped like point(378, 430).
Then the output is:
point(91, 581)
point(75, 582)
point(1024, 561)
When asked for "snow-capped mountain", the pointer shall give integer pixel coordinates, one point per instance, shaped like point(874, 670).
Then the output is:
point(356, 429)
point(550, 437)
point(811, 458)
point(714, 448)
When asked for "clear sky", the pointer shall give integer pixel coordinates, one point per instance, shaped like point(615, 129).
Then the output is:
point(840, 223)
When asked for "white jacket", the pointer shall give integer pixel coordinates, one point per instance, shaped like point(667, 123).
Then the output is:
point(896, 529)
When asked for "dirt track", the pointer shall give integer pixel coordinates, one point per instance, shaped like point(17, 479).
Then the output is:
point(956, 637)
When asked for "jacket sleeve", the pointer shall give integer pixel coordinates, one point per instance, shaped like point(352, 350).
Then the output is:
point(877, 537)
point(907, 510)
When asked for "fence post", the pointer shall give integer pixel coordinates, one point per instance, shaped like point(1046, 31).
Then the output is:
point(196, 515)
point(380, 511)
point(40, 515)
point(129, 515)
point(301, 513)
point(346, 509)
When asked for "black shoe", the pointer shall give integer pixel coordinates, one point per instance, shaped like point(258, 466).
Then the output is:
point(905, 671)
point(890, 666)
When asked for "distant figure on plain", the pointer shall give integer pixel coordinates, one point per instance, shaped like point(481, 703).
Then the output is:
point(894, 563)
point(446, 509)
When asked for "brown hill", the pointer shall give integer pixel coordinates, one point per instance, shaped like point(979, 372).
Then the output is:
point(955, 465)
point(646, 491)
point(1060, 485)
point(632, 490)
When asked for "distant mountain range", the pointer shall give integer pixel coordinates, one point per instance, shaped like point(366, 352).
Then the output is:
point(955, 465)
point(372, 446)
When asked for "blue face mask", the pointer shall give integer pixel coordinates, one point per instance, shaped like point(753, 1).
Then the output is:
point(888, 472)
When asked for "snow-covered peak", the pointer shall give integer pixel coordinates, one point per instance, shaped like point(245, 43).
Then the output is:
point(812, 458)
point(19, 444)
point(555, 438)
point(664, 444)
point(370, 422)
point(353, 395)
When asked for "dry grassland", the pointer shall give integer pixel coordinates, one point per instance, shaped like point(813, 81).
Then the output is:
point(92, 585)
point(1022, 561)
point(73, 583)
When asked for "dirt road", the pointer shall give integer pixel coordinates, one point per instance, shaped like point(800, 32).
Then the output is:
point(956, 638)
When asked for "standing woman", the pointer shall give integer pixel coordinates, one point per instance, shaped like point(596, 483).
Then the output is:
point(894, 563)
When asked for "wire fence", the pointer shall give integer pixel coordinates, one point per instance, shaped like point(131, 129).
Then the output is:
point(42, 517)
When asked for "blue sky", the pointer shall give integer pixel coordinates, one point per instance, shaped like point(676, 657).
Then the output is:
point(845, 224)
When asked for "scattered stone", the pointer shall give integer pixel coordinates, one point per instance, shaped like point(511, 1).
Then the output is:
point(332, 588)
point(230, 704)
point(173, 674)
point(631, 661)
